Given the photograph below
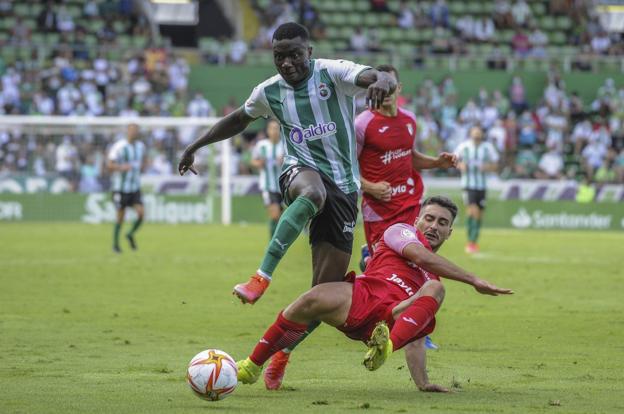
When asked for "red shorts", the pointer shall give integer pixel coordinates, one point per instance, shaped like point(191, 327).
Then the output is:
point(374, 230)
point(372, 301)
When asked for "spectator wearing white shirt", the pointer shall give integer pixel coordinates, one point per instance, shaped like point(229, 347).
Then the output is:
point(593, 156)
point(556, 126)
point(66, 161)
point(67, 97)
point(466, 26)
point(471, 113)
point(43, 103)
point(550, 165)
point(601, 133)
point(489, 115)
point(484, 29)
point(601, 43)
point(497, 135)
point(405, 16)
point(539, 41)
point(178, 74)
point(238, 51)
point(358, 41)
point(580, 135)
point(64, 20)
point(199, 107)
point(521, 13)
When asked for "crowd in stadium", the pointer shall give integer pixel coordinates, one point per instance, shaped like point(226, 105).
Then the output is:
point(525, 26)
point(558, 137)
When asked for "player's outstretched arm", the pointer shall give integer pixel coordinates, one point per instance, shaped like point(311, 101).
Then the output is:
point(444, 160)
point(379, 85)
point(227, 127)
point(416, 358)
point(438, 265)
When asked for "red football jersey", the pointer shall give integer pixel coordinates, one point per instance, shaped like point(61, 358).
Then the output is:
point(402, 277)
point(385, 154)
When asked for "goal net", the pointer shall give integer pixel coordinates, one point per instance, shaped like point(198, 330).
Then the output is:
point(54, 168)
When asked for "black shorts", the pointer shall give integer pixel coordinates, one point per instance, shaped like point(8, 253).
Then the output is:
point(123, 200)
point(269, 197)
point(475, 197)
point(335, 223)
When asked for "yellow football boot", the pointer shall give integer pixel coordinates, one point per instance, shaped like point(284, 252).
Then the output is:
point(248, 372)
point(379, 347)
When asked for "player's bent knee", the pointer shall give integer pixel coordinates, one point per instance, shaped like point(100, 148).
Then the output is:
point(315, 194)
point(308, 305)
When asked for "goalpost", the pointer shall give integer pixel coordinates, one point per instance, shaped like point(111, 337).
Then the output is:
point(44, 127)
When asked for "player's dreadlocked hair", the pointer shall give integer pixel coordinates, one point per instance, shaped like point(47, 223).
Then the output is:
point(389, 69)
point(291, 30)
point(442, 201)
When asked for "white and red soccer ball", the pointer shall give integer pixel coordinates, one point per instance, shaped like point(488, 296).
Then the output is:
point(211, 374)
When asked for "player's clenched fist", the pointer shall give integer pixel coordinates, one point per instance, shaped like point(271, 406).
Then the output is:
point(186, 163)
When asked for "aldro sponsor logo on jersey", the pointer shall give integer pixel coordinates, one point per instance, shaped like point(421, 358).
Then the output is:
point(298, 135)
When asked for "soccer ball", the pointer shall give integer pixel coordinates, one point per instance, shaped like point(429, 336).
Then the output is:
point(211, 374)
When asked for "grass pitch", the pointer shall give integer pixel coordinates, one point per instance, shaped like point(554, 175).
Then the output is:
point(85, 331)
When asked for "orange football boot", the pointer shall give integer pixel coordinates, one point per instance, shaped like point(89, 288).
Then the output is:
point(274, 373)
point(251, 291)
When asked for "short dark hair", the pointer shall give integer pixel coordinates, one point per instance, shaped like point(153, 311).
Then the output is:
point(442, 201)
point(388, 68)
point(291, 30)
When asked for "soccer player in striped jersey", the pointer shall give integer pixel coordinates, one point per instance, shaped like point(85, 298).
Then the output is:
point(477, 158)
point(313, 100)
point(126, 161)
point(267, 156)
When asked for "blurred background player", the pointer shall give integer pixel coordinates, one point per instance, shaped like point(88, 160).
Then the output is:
point(386, 311)
point(392, 187)
point(268, 155)
point(476, 159)
point(125, 161)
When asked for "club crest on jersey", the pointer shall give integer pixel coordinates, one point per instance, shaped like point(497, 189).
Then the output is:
point(298, 135)
point(408, 234)
point(323, 91)
point(410, 129)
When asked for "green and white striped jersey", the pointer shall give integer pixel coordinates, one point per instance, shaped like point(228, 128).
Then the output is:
point(122, 152)
point(316, 118)
point(474, 157)
point(273, 155)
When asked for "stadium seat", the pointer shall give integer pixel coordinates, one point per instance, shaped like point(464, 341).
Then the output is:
point(457, 8)
point(22, 10)
point(341, 19)
point(557, 38)
point(547, 23)
point(474, 7)
point(371, 19)
point(345, 32)
point(564, 23)
point(361, 6)
point(354, 20)
point(538, 9)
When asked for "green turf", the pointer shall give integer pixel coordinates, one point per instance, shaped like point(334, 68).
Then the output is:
point(82, 330)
